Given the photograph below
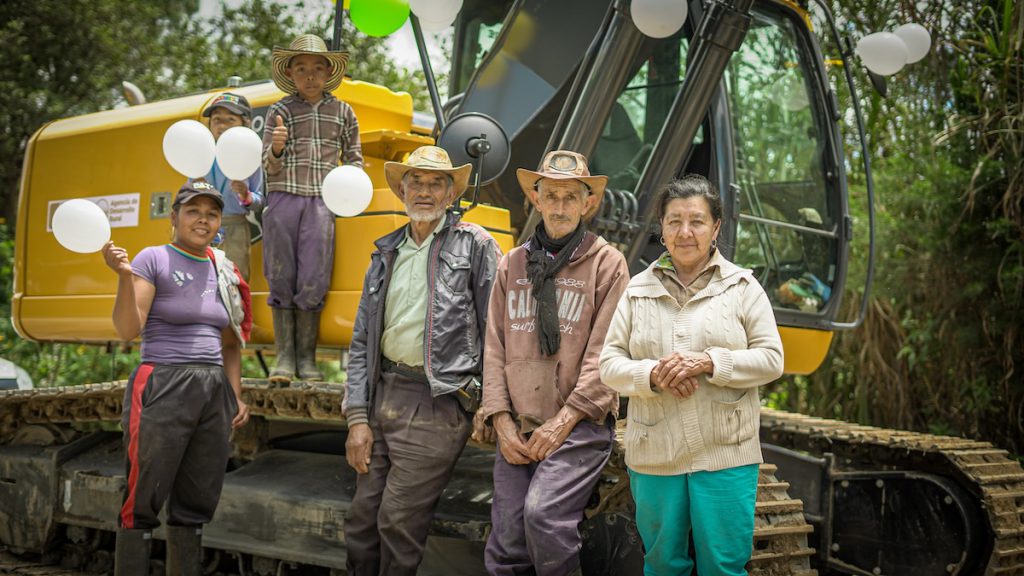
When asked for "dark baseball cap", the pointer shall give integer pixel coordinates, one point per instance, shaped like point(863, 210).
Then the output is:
point(196, 189)
point(233, 103)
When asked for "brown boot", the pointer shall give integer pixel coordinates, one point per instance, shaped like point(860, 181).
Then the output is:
point(131, 552)
point(284, 341)
point(184, 551)
point(307, 329)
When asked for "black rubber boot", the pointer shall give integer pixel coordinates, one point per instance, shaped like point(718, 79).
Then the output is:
point(131, 552)
point(184, 551)
point(307, 329)
point(284, 340)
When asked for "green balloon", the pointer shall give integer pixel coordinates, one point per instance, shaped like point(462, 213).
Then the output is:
point(378, 17)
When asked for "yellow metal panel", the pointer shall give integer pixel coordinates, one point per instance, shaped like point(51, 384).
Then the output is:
point(61, 295)
point(805, 349)
point(804, 14)
point(69, 318)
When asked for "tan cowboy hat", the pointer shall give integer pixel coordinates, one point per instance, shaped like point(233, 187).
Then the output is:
point(431, 158)
point(306, 44)
point(563, 165)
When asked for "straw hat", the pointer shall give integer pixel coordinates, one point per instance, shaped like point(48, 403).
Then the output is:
point(430, 158)
point(306, 44)
point(563, 165)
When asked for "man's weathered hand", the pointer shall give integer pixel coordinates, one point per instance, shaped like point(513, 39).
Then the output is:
point(278, 137)
point(358, 447)
point(550, 436)
point(482, 431)
point(511, 441)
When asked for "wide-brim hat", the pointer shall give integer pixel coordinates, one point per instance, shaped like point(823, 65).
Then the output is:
point(306, 44)
point(563, 165)
point(432, 158)
point(190, 191)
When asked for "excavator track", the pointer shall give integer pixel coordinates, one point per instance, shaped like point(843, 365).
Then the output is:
point(780, 532)
point(101, 402)
point(780, 540)
point(985, 471)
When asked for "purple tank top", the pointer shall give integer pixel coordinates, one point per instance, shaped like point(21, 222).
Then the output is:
point(187, 316)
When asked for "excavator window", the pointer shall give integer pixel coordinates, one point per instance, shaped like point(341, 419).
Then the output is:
point(788, 229)
point(640, 111)
point(479, 23)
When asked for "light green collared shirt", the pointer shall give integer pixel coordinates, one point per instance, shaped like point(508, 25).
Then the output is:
point(405, 306)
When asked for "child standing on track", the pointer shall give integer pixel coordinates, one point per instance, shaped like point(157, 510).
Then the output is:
point(306, 134)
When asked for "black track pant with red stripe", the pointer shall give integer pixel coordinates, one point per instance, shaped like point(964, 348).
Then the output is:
point(177, 426)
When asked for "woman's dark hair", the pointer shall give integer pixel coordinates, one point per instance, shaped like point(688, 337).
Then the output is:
point(690, 186)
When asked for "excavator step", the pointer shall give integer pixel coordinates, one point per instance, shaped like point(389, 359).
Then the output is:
point(780, 530)
point(774, 486)
point(775, 556)
point(1010, 553)
point(779, 507)
point(992, 452)
point(1000, 479)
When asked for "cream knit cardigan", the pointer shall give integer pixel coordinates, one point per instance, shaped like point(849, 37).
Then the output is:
point(717, 427)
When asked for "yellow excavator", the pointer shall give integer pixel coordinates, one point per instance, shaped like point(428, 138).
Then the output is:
point(743, 94)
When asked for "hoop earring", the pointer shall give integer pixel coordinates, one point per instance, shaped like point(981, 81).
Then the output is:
point(714, 244)
point(662, 239)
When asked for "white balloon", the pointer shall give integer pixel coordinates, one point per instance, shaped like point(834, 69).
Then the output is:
point(347, 190)
point(882, 52)
point(435, 26)
point(189, 148)
point(658, 18)
point(917, 40)
point(436, 10)
point(239, 152)
point(81, 226)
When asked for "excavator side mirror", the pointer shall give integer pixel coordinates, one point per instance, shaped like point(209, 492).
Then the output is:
point(479, 140)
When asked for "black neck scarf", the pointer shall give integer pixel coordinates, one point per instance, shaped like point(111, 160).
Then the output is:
point(541, 270)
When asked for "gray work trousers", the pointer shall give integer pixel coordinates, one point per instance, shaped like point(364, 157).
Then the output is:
point(537, 507)
point(416, 441)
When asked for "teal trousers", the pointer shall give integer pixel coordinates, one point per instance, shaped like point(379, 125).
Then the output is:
point(717, 506)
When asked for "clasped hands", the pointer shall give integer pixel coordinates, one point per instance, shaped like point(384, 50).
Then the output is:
point(518, 450)
point(677, 373)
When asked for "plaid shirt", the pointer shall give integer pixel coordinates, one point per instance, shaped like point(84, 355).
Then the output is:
point(318, 135)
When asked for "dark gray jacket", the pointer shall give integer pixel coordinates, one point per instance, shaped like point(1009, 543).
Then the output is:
point(461, 266)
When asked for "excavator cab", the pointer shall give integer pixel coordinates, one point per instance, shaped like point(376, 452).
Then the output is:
point(768, 137)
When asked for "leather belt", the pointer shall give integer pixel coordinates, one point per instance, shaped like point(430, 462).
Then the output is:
point(414, 372)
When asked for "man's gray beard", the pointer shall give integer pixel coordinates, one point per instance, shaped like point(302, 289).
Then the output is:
point(420, 216)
